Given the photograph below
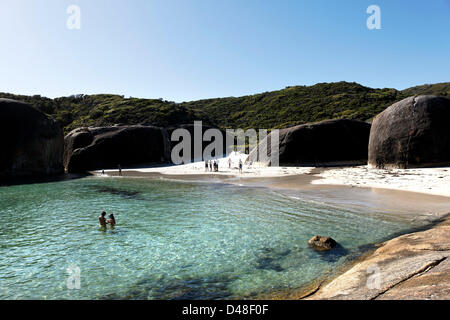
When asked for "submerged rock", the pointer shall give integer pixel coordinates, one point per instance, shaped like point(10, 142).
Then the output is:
point(32, 144)
point(329, 142)
point(322, 243)
point(414, 132)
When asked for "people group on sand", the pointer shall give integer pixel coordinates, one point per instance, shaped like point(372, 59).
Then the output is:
point(211, 165)
point(104, 222)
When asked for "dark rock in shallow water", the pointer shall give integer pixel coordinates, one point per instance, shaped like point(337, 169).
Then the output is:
point(268, 263)
point(117, 192)
point(189, 288)
point(337, 253)
point(32, 143)
point(107, 147)
point(321, 243)
point(414, 132)
point(327, 142)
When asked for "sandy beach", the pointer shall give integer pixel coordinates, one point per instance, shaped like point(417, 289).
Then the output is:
point(308, 182)
point(435, 181)
point(426, 189)
point(431, 181)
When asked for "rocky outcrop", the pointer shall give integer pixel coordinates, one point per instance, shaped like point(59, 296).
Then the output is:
point(414, 132)
point(32, 143)
point(328, 142)
point(107, 147)
point(412, 266)
point(321, 243)
point(194, 140)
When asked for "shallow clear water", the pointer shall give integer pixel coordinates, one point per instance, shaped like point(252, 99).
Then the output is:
point(173, 240)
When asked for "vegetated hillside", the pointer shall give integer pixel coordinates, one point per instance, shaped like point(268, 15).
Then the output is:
point(299, 104)
point(107, 109)
point(276, 109)
point(438, 89)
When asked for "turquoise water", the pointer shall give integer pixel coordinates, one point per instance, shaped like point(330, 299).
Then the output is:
point(173, 240)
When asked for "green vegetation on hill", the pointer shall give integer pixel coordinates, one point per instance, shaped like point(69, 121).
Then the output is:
point(276, 109)
point(438, 89)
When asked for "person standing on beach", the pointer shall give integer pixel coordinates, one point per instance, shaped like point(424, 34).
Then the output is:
point(206, 165)
point(240, 166)
point(210, 166)
point(229, 163)
point(102, 220)
point(120, 170)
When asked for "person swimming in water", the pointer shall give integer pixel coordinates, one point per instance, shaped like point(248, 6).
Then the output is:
point(111, 221)
point(102, 219)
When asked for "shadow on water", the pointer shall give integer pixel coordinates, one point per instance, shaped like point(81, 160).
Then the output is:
point(334, 254)
point(127, 194)
point(7, 182)
point(208, 288)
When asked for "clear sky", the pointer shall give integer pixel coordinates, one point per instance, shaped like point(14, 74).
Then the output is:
point(185, 50)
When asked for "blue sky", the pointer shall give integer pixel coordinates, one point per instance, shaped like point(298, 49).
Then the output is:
point(184, 50)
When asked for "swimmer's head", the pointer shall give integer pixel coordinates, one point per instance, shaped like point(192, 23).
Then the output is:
point(103, 213)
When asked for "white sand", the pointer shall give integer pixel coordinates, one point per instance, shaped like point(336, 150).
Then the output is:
point(249, 169)
point(435, 181)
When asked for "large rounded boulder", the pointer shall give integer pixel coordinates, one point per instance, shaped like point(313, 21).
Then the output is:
point(329, 142)
point(32, 143)
point(107, 147)
point(200, 141)
point(414, 132)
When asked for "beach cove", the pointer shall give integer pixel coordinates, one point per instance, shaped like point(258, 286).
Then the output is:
point(391, 192)
point(167, 243)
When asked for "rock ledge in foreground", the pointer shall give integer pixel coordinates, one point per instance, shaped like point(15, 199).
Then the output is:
point(414, 266)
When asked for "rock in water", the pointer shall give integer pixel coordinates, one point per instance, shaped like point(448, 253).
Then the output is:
point(321, 243)
point(107, 147)
point(329, 142)
point(32, 143)
point(414, 132)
